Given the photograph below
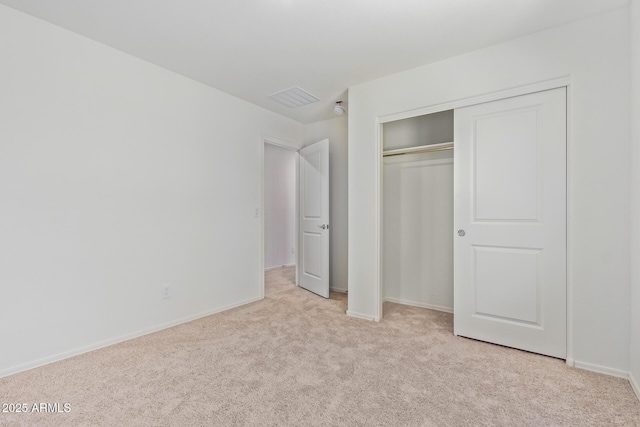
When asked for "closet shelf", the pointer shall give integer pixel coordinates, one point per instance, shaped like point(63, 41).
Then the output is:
point(419, 149)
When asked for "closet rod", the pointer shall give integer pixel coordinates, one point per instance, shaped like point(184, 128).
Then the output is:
point(420, 149)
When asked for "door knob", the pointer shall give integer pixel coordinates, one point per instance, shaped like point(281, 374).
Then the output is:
point(461, 233)
point(323, 226)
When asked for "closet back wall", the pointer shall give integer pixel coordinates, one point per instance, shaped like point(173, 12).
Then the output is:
point(418, 230)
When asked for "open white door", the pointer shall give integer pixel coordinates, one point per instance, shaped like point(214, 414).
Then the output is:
point(510, 219)
point(314, 218)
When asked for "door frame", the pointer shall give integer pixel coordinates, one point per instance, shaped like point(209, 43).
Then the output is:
point(564, 81)
point(287, 146)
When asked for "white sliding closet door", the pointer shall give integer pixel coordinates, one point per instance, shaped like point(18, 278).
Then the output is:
point(510, 222)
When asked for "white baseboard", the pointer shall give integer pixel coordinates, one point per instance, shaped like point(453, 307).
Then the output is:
point(420, 304)
point(279, 266)
point(342, 291)
point(601, 369)
point(362, 316)
point(634, 385)
point(106, 343)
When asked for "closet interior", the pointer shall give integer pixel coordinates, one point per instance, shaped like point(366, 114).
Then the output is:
point(418, 211)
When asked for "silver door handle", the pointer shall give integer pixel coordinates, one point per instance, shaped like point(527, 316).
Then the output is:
point(461, 233)
point(323, 226)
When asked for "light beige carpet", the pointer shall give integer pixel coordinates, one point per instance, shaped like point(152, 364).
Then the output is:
point(296, 359)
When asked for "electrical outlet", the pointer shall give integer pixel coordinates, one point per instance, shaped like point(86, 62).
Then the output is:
point(293, 250)
point(166, 291)
point(256, 213)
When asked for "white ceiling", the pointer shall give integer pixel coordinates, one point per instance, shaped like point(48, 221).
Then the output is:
point(253, 48)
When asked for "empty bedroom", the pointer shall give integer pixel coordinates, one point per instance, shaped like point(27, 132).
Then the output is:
point(291, 213)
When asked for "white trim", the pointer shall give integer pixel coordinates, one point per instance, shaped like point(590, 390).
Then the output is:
point(262, 232)
point(480, 99)
point(379, 238)
point(601, 369)
point(362, 316)
point(569, 277)
point(634, 385)
point(298, 240)
point(420, 304)
point(280, 143)
point(341, 290)
point(109, 342)
point(607, 371)
point(279, 266)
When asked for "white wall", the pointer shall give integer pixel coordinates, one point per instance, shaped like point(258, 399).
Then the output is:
point(595, 54)
point(336, 130)
point(279, 206)
point(635, 198)
point(117, 176)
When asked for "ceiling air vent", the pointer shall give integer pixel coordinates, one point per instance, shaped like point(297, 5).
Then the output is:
point(294, 97)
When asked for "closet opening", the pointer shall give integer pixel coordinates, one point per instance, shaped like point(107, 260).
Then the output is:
point(417, 211)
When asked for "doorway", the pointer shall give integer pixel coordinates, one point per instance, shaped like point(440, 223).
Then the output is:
point(280, 166)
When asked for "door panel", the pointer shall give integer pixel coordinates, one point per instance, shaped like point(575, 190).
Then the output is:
point(505, 166)
point(516, 282)
point(313, 185)
point(314, 218)
point(312, 254)
point(510, 208)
